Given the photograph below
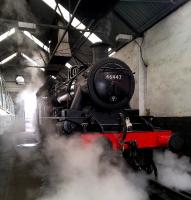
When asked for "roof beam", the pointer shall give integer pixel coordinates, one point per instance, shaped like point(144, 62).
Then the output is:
point(16, 23)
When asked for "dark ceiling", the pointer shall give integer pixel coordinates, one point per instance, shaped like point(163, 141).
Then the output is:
point(105, 18)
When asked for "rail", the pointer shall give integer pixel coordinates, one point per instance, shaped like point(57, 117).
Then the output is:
point(157, 191)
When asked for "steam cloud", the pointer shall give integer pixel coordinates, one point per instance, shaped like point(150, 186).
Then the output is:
point(81, 171)
point(17, 8)
point(78, 171)
point(174, 171)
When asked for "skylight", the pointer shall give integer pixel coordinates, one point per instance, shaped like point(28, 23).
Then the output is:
point(37, 41)
point(92, 37)
point(75, 23)
point(8, 58)
point(7, 34)
point(111, 54)
point(29, 59)
point(32, 61)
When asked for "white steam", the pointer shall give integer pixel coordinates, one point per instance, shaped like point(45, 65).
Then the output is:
point(174, 171)
point(17, 8)
point(82, 172)
point(28, 96)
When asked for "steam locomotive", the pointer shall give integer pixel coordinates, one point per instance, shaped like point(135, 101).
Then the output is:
point(100, 108)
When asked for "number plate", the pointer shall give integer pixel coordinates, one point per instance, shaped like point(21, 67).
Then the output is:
point(113, 77)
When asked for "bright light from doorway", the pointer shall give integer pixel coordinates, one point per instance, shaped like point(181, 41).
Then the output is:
point(3, 113)
point(30, 106)
point(8, 58)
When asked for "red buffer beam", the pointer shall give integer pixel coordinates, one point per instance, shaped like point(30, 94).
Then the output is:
point(145, 139)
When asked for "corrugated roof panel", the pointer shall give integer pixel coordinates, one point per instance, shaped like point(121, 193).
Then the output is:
point(142, 14)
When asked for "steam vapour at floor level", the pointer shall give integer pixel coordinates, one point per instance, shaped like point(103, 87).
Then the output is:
point(82, 172)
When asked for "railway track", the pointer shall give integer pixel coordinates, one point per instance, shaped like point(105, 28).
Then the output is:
point(157, 191)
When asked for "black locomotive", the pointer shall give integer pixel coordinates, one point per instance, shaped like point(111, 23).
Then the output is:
point(95, 102)
point(101, 92)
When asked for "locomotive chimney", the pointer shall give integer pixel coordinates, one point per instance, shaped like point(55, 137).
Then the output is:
point(100, 51)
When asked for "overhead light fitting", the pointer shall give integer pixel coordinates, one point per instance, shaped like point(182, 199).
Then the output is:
point(123, 38)
point(20, 80)
point(8, 58)
point(27, 25)
point(28, 145)
point(75, 23)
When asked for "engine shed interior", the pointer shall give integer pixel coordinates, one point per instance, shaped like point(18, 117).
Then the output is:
point(95, 94)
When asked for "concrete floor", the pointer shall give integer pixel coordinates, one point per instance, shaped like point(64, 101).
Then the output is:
point(19, 177)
